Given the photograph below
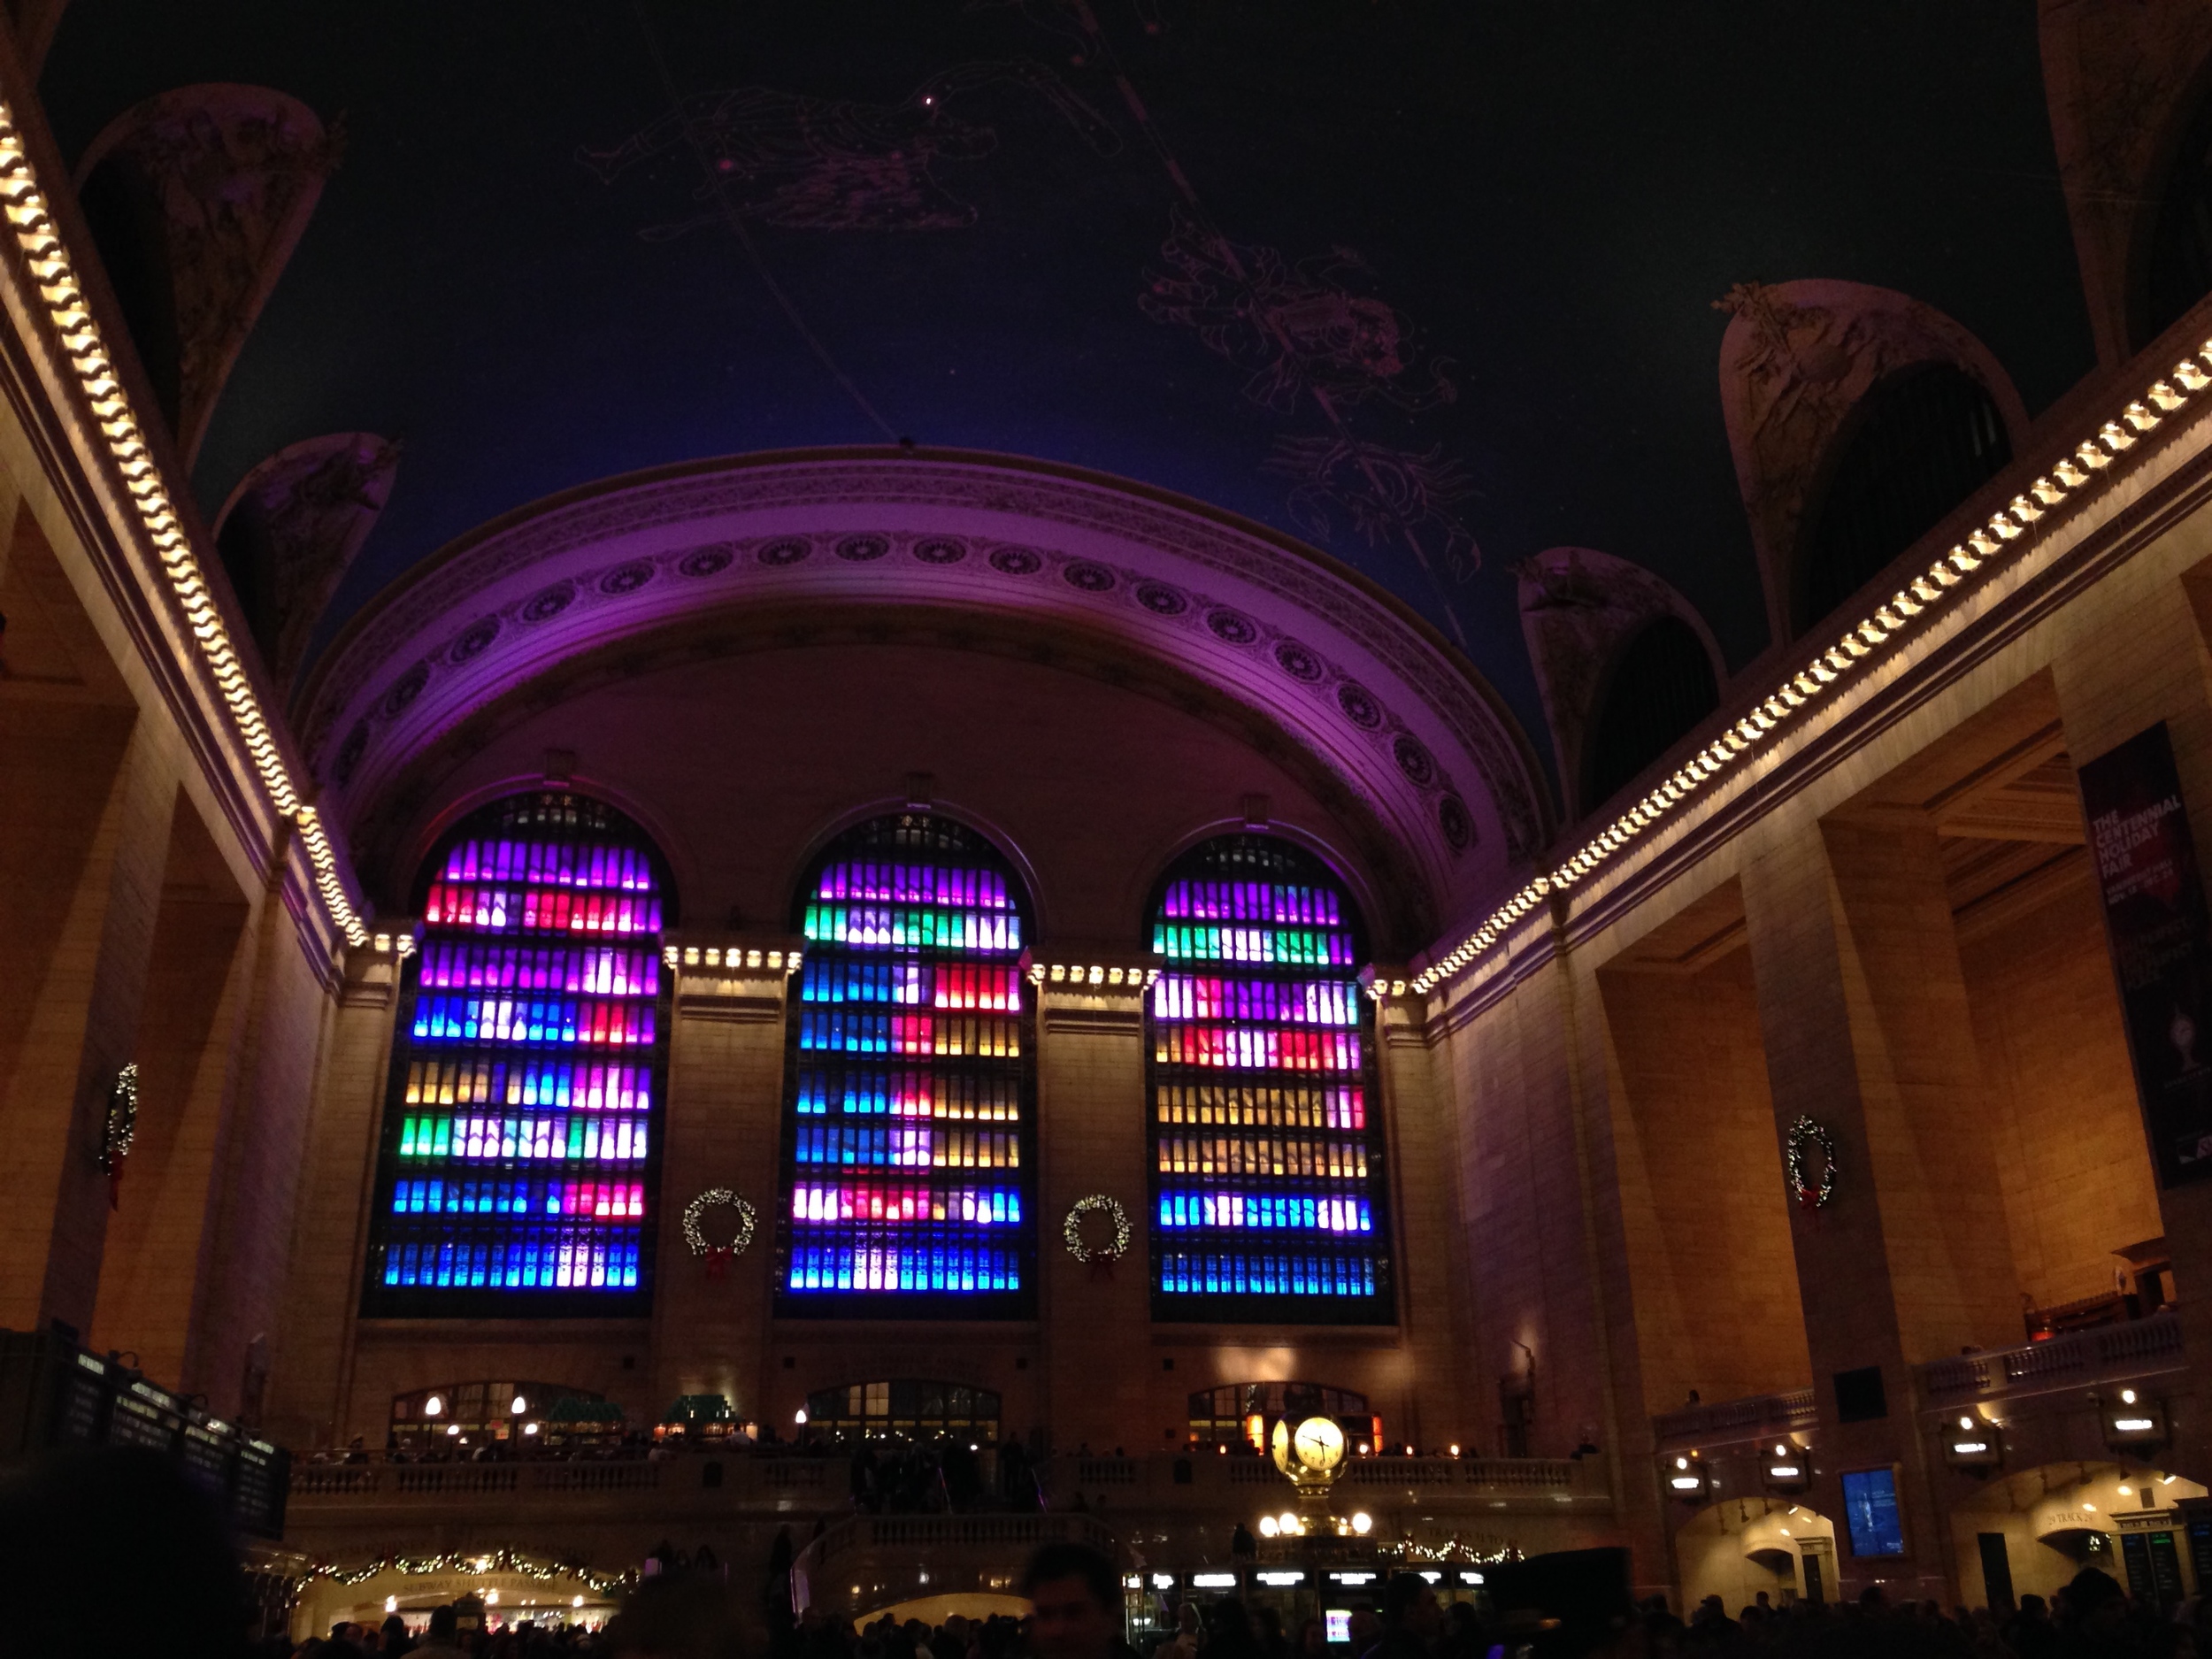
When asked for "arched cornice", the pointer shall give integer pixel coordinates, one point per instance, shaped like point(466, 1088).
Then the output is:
point(392, 834)
point(1344, 672)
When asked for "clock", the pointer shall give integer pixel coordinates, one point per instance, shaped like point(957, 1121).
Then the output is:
point(1315, 1446)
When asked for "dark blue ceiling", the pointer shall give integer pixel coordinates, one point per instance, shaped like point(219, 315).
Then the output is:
point(1378, 273)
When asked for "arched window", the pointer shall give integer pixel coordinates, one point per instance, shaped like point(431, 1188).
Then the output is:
point(909, 1142)
point(905, 1407)
point(461, 1417)
point(522, 1119)
point(1245, 1414)
point(1926, 440)
point(2178, 271)
point(1661, 686)
point(1268, 1190)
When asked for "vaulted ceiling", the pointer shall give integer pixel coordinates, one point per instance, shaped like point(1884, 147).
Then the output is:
point(1428, 287)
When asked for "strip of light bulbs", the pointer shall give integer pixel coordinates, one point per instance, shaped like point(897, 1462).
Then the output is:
point(2070, 482)
point(78, 335)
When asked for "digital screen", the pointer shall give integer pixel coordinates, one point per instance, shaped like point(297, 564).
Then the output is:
point(1339, 1623)
point(1870, 1504)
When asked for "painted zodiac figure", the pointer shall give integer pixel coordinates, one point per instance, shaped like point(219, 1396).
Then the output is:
point(837, 164)
point(1299, 326)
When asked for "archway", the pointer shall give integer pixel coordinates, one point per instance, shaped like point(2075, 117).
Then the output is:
point(1740, 1549)
point(2041, 1526)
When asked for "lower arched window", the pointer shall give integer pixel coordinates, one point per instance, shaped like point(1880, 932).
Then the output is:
point(1661, 686)
point(903, 1408)
point(1245, 1414)
point(1923, 441)
point(1269, 1197)
point(459, 1419)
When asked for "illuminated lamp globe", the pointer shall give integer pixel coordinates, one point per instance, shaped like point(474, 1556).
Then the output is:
point(579, 1602)
point(1362, 1523)
point(391, 1604)
point(1966, 1423)
point(1270, 1526)
point(529, 1428)
point(453, 1428)
point(2127, 1396)
point(1289, 1524)
point(491, 1598)
point(1681, 1463)
point(518, 1405)
point(799, 1416)
point(434, 1406)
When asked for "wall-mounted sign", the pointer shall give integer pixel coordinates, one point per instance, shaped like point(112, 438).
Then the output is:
point(2161, 943)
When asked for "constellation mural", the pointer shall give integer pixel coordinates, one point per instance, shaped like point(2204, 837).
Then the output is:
point(1304, 331)
point(1299, 328)
point(805, 163)
point(1382, 492)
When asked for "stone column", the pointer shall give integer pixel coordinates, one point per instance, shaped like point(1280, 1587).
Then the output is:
point(1092, 1139)
point(1863, 1010)
point(722, 1127)
point(90, 790)
point(2142, 659)
point(1432, 1272)
point(312, 1346)
point(160, 1241)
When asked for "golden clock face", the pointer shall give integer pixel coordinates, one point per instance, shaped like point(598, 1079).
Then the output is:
point(1279, 1444)
point(1317, 1443)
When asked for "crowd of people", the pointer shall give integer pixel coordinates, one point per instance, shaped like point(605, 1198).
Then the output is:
point(102, 1548)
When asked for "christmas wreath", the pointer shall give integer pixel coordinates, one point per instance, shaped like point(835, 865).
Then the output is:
point(1811, 1193)
point(1071, 1229)
point(694, 1235)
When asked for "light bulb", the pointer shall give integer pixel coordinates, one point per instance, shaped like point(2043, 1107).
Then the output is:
point(1966, 1423)
point(1454, 1451)
point(1362, 1523)
point(1681, 1463)
point(434, 1406)
point(518, 1405)
point(1288, 1523)
point(391, 1604)
point(1269, 1526)
point(579, 1602)
point(2127, 1396)
point(799, 1416)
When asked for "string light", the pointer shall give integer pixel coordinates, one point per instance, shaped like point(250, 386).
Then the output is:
point(2070, 482)
point(24, 206)
point(535, 1568)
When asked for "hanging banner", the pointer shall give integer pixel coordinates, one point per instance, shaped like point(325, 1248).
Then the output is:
point(2161, 943)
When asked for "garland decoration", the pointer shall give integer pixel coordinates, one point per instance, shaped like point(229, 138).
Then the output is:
point(1072, 1229)
point(118, 1131)
point(502, 1560)
point(695, 1236)
point(1810, 1192)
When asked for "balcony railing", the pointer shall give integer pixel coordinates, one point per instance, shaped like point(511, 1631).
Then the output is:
point(738, 1476)
point(1751, 1417)
point(2107, 1352)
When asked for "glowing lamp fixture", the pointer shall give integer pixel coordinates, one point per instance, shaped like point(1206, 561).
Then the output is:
point(1270, 1526)
point(518, 1405)
point(1289, 1525)
point(529, 1428)
point(2127, 1396)
point(799, 1416)
point(391, 1604)
point(579, 1602)
point(433, 1406)
point(1362, 1523)
point(453, 1428)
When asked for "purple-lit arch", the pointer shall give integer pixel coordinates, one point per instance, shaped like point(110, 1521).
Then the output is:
point(1348, 676)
